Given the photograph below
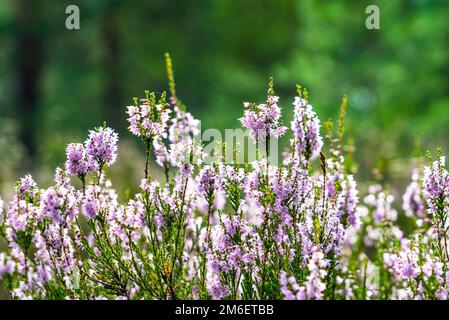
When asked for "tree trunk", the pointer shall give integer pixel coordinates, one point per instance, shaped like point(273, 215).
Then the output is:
point(28, 60)
point(112, 94)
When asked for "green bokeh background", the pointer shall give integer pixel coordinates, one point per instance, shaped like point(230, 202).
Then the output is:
point(396, 78)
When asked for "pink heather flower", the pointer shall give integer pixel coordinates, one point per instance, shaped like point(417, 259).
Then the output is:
point(178, 147)
point(60, 204)
point(26, 186)
point(349, 200)
point(76, 163)
point(101, 146)
point(161, 152)
point(315, 280)
point(286, 285)
point(186, 153)
point(217, 290)
point(7, 266)
point(61, 178)
point(412, 263)
point(436, 186)
point(412, 202)
point(441, 294)
point(263, 120)
point(43, 274)
point(145, 185)
point(306, 129)
point(314, 286)
point(184, 126)
point(208, 181)
point(148, 121)
point(232, 249)
point(134, 120)
point(90, 207)
point(381, 203)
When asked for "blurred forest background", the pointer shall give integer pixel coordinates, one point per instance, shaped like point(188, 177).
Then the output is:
point(55, 83)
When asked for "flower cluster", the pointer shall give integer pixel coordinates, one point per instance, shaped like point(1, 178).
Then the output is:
point(413, 203)
point(101, 146)
point(306, 128)
point(413, 263)
point(314, 286)
point(263, 120)
point(148, 118)
point(77, 163)
point(99, 149)
point(224, 230)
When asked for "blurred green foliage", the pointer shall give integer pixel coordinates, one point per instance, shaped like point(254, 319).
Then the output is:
point(396, 78)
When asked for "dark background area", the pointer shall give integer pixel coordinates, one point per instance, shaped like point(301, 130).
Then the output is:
point(55, 83)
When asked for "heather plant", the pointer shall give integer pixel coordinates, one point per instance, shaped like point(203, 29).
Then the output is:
point(224, 229)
